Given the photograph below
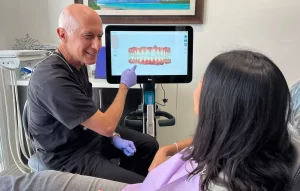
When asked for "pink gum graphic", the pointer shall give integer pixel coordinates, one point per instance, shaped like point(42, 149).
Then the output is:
point(141, 58)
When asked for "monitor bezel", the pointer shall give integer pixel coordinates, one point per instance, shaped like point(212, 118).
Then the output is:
point(150, 79)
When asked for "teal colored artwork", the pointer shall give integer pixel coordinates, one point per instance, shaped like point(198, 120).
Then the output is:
point(140, 4)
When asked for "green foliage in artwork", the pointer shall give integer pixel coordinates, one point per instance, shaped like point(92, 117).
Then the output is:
point(94, 6)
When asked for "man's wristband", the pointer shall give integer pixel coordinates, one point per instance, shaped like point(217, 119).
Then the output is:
point(114, 134)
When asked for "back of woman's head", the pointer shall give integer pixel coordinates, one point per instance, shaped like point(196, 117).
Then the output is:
point(242, 128)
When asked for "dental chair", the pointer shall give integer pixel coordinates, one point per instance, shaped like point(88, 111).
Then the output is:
point(295, 184)
point(293, 127)
point(34, 162)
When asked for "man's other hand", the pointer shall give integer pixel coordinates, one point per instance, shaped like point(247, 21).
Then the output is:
point(126, 146)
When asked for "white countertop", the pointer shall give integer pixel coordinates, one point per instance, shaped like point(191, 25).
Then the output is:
point(97, 83)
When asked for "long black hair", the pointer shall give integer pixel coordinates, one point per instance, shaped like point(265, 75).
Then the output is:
point(242, 129)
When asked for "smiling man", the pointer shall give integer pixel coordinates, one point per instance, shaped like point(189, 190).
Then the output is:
point(70, 133)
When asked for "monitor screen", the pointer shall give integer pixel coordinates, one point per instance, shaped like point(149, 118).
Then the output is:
point(163, 54)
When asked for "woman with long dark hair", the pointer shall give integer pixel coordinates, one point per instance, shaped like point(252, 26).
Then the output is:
point(241, 141)
point(242, 129)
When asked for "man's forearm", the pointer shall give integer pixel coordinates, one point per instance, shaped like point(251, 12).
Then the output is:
point(105, 123)
point(172, 149)
point(114, 112)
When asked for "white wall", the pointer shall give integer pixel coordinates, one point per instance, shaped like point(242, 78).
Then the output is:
point(20, 17)
point(6, 22)
point(271, 27)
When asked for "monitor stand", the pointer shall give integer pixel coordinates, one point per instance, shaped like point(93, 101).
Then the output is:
point(147, 114)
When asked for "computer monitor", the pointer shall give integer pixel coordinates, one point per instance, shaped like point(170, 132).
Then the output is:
point(163, 54)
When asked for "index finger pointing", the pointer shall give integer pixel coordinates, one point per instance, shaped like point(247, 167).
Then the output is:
point(133, 68)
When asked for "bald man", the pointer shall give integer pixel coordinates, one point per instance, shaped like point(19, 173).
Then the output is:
point(70, 133)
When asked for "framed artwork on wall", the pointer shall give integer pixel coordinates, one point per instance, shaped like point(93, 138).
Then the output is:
point(147, 11)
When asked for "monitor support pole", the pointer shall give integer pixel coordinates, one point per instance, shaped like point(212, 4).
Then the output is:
point(149, 110)
point(145, 117)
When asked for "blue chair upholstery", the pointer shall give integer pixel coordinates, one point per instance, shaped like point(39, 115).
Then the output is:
point(34, 162)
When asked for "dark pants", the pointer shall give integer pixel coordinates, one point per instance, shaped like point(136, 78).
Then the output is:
point(131, 170)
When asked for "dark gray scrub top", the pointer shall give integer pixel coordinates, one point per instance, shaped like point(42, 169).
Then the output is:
point(60, 99)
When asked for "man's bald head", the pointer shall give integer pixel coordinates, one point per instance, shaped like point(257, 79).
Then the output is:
point(76, 15)
point(80, 33)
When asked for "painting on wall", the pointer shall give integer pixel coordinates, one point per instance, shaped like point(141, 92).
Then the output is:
point(147, 11)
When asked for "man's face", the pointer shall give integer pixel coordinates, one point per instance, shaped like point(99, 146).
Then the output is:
point(85, 43)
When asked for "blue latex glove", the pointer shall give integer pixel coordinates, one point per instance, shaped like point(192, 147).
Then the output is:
point(126, 146)
point(129, 77)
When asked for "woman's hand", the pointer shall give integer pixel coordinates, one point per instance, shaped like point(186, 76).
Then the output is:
point(169, 150)
point(159, 158)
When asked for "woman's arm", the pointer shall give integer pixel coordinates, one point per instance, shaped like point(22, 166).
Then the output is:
point(169, 150)
point(172, 149)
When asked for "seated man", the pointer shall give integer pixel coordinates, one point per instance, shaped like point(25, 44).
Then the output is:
point(70, 133)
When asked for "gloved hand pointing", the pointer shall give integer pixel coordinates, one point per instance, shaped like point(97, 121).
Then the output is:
point(126, 146)
point(129, 77)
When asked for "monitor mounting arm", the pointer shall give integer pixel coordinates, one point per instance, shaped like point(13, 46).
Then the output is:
point(146, 116)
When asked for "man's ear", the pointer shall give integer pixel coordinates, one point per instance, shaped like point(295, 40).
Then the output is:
point(62, 34)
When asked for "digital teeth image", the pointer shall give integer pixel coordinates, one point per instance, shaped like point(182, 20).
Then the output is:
point(149, 55)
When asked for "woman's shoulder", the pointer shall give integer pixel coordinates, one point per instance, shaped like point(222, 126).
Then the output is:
point(192, 164)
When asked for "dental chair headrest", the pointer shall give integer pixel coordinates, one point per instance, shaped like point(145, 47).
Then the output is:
point(294, 128)
point(294, 123)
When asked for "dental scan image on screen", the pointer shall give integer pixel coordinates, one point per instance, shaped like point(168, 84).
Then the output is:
point(154, 52)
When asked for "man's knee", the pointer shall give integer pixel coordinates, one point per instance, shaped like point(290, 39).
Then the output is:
point(152, 145)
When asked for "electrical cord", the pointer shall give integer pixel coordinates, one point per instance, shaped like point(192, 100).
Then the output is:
point(15, 117)
point(19, 140)
point(19, 124)
point(8, 129)
point(17, 130)
point(164, 99)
